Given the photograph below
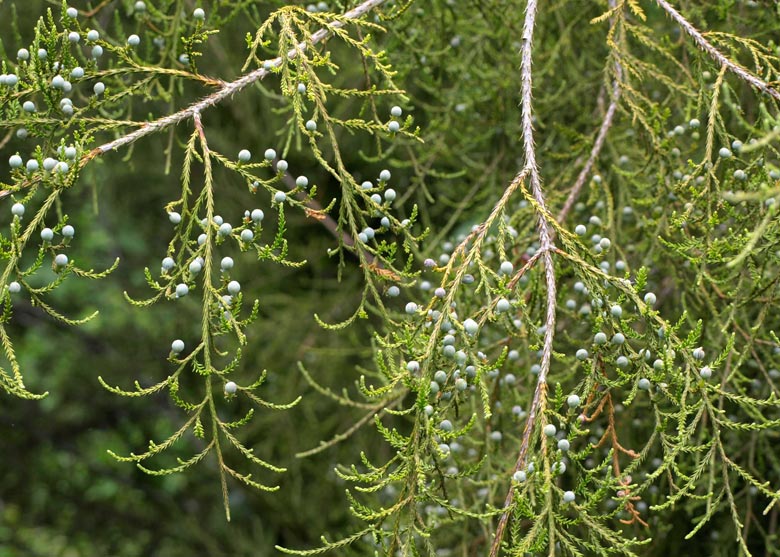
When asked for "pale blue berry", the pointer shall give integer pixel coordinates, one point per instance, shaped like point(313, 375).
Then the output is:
point(244, 155)
point(520, 476)
point(393, 291)
point(573, 401)
point(247, 235)
point(177, 346)
point(600, 338)
point(471, 326)
point(226, 264)
point(61, 260)
point(70, 153)
point(393, 126)
point(133, 40)
point(580, 230)
point(234, 287)
point(199, 14)
point(140, 6)
point(411, 308)
point(618, 338)
point(440, 377)
point(622, 362)
point(182, 290)
point(47, 234)
point(440, 292)
point(28, 106)
point(58, 82)
point(311, 125)
point(17, 209)
point(93, 35)
point(282, 165)
point(42, 54)
point(168, 263)
point(301, 88)
point(390, 195)
point(99, 88)
point(568, 497)
point(694, 123)
point(10, 80)
point(225, 229)
point(740, 175)
point(97, 51)
point(202, 239)
point(366, 185)
point(15, 161)
point(195, 267)
point(174, 217)
point(301, 181)
point(616, 311)
point(461, 384)
point(698, 353)
point(506, 268)
point(230, 388)
point(14, 287)
point(724, 153)
point(21, 133)
point(62, 167)
point(445, 425)
point(396, 111)
point(280, 197)
point(68, 231)
point(644, 384)
point(736, 145)
point(705, 372)
point(385, 175)
point(563, 445)
point(257, 215)
point(658, 365)
point(413, 366)
point(650, 299)
point(23, 54)
point(582, 354)
point(550, 430)
point(74, 37)
point(385, 222)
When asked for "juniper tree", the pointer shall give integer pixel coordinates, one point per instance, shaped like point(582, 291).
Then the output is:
point(553, 224)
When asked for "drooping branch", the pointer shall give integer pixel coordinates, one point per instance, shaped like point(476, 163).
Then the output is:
point(717, 55)
point(233, 87)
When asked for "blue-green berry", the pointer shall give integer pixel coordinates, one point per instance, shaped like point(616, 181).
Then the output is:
point(93, 35)
point(580, 230)
point(550, 430)
point(502, 305)
point(23, 54)
point(42, 54)
point(461, 384)
point(434, 387)
point(445, 425)
point(195, 267)
point(618, 338)
point(520, 476)
point(724, 153)
point(70, 152)
point(282, 166)
point(616, 311)
point(58, 82)
point(390, 194)
point(97, 51)
point(396, 111)
point(62, 167)
point(573, 401)
point(99, 88)
point(622, 362)
point(74, 37)
point(15, 161)
point(393, 126)
point(77, 72)
point(600, 338)
point(440, 377)
point(705, 372)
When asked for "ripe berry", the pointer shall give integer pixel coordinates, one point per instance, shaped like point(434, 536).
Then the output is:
point(140, 6)
point(471, 326)
point(618, 338)
point(202, 239)
point(174, 217)
point(257, 215)
point(440, 377)
point(177, 346)
point(97, 51)
point(568, 497)
point(282, 165)
point(195, 267)
point(42, 54)
point(644, 384)
point(62, 167)
point(199, 14)
point(133, 40)
point(650, 299)
point(445, 425)
point(582, 354)
point(563, 445)
point(622, 362)
point(29, 106)
point(47, 234)
point(23, 54)
point(390, 194)
point(393, 291)
point(247, 235)
point(580, 230)
point(550, 430)
point(736, 145)
point(234, 287)
point(413, 366)
point(396, 111)
point(58, 82)
point(573, 401)
point(698, 353)
point(74, 37)
point(506, 268)
point(301, 88)
point(17, 210)
point(61, 260)
point(694, 123)
point(230, 388)
point(182, 290)
point(225, 229)
point(600, 338)
point(461, 384)
point(705, 372)
point(520, 476)
point(93, 35)
point(311, 125)
point(226, 264)
point(14, 287)
point(99, 88)
point(244, 155)
point(15, 161)
point(70, 152)
point(385, 175)
point(616, 311)
point(393, 126)
point(724, 153)
point(301, 181)
point(280, 196)
point(440, 292)
point(168, 263)
point(68, 231)
point(502, 305)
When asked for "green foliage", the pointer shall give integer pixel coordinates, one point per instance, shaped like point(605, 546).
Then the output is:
point(530, 309)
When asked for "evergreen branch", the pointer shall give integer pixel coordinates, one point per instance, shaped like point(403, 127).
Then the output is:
point(716, 55)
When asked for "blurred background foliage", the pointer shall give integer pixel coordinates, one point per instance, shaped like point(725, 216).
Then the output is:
point(60, 492)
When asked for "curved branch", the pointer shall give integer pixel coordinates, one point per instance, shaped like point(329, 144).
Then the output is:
point(717, 55)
